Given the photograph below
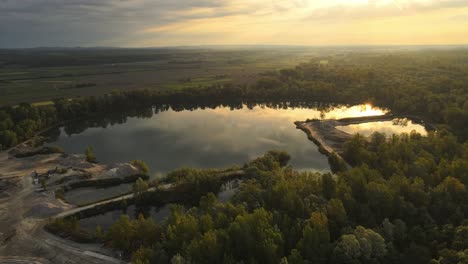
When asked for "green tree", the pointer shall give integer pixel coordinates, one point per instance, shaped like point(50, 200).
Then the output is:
point(181, 228)
point(143, 255)
point(252, 237)
point(315, 242)
point(281, 156)
point(416, 254)
point(295, 257)
point(337, 216)
point(147, 232)
point(206, 249)
point(142, 166)
point(139, 187)
point(121, 233)
point(347, 250)
point(90, 156)
point(8, 139)
point(460, 240)
point(328, 186)
point(337, 164)
point(362, 246)
point(178, 259)
point(98, 233)
point(380, 200)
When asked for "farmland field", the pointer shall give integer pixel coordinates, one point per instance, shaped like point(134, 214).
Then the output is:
point(39, 75)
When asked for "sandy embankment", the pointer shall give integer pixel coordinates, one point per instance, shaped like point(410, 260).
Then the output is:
point(328, 138)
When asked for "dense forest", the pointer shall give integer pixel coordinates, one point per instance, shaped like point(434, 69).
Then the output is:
point(404, 200)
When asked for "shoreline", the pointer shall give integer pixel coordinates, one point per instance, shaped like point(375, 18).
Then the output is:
point(314, 134)
point(331, 140)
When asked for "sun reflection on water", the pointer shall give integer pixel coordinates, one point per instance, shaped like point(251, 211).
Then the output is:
point(301, 114)
point(356, 111)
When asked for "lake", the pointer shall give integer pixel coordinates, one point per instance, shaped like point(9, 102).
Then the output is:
point(206, 138)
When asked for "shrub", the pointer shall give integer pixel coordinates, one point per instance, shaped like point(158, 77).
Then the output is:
point(142, 166)
point(90, 156)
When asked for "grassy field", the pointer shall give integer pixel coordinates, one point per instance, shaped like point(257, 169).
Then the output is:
point(39, 75)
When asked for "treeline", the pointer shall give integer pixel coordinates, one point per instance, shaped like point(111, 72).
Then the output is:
point(22, 122)
point(404, 202)
point(431, 85)
point(63, 57)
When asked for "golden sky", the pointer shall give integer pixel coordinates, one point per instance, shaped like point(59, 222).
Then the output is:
point(142, 23)
point(313, 22)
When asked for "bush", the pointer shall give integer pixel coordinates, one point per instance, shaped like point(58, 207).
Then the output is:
point(69, 228)
point(90, 156)
point(142, 166)
point(336, 163)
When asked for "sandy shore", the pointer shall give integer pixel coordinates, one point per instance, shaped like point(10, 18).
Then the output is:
point(328, 138)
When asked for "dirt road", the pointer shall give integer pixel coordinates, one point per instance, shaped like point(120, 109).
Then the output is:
point(22, 237)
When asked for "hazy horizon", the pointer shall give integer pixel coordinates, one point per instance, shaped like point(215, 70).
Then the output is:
point(158, 23)
point(250, 46)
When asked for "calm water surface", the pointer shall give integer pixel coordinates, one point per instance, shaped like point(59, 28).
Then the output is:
point(208, 138)
point(386, 127)
point(159, 214)
point(107, 219)
point(88, 195)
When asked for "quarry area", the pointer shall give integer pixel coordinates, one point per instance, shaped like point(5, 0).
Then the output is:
point(29, 199)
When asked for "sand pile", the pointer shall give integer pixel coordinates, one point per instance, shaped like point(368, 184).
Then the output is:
point(75, 161)
point(121, 170)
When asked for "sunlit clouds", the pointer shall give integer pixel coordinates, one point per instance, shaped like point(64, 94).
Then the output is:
point(206, 22)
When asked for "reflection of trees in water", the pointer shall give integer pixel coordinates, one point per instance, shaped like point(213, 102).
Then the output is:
point(103, 121)
point(120, 116)
point(142, 209)
point(52, 135)
point(400, 122)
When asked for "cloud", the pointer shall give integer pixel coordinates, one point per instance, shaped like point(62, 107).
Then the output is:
point(84, 22)
point(375, 9)
point(25, 23)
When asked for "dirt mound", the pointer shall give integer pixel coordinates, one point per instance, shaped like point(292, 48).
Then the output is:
point(121, 170)
point(75, 161)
